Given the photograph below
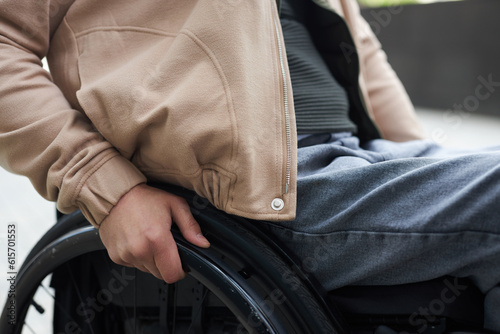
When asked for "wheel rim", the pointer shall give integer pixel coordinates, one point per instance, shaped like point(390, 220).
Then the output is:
point(85, 240)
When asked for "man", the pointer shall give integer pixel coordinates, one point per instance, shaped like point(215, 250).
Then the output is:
point(199, 94)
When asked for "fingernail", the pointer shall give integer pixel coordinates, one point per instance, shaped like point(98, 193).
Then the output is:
point(202, 238)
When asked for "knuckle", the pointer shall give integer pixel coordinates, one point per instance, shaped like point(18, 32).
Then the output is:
point(173, 277)
point(178, 201)
point(126, 258)
point(139, 251)
point(115, 258)
point(154, 238)
point(191, 224)
point(120, 259)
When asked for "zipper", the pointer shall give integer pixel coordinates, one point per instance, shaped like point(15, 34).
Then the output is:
point(287, 112)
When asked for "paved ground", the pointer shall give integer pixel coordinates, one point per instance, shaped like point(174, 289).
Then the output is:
point(465, 130)
point(32, 215)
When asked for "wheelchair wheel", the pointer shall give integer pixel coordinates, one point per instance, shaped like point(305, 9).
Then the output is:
point(242, 284)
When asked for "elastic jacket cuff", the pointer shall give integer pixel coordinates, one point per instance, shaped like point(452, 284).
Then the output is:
point(104, 188)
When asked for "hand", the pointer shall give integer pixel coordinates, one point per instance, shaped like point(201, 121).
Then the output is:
point(137, 233)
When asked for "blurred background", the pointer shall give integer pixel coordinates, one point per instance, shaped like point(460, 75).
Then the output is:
point(386, 3)
point(439, 49)
point(445, 52)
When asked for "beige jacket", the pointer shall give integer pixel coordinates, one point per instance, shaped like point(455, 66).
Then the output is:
point(189, 92)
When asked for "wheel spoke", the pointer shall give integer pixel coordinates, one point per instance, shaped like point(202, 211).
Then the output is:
point(79, 295)
point(197, 315)
point(132, 326)
point(29, 327)
point(174, 303)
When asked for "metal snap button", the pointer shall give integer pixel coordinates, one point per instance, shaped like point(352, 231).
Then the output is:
point(277, 204)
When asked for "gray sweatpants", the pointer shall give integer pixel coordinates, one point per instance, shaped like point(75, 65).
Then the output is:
point(392, 213)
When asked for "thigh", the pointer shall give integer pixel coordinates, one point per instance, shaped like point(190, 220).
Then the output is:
point(392, 213)
point(407, 187)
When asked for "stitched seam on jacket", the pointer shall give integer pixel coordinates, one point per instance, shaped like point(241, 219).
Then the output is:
point(372, 232)
point(125, 28)
point(227, 91)
point(77, 52)
point(279, 104)
point(68, 168)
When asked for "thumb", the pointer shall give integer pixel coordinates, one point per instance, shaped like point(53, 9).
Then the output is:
point(188, 226)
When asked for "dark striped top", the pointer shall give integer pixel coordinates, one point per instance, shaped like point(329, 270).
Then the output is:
point(321, 103)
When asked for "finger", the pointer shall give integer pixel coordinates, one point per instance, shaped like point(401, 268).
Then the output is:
point(151, 269)
point(137, 254)
point(188, 226)
point(142, 265)
point(143, 259)
point(168, 262)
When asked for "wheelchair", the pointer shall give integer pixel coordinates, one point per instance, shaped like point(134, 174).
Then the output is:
point(246, 282)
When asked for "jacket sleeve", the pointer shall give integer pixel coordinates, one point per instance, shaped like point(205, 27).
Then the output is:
point(386, 98)
point(41, 135)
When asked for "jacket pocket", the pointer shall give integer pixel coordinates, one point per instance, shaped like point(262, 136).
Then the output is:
point(160, 99)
